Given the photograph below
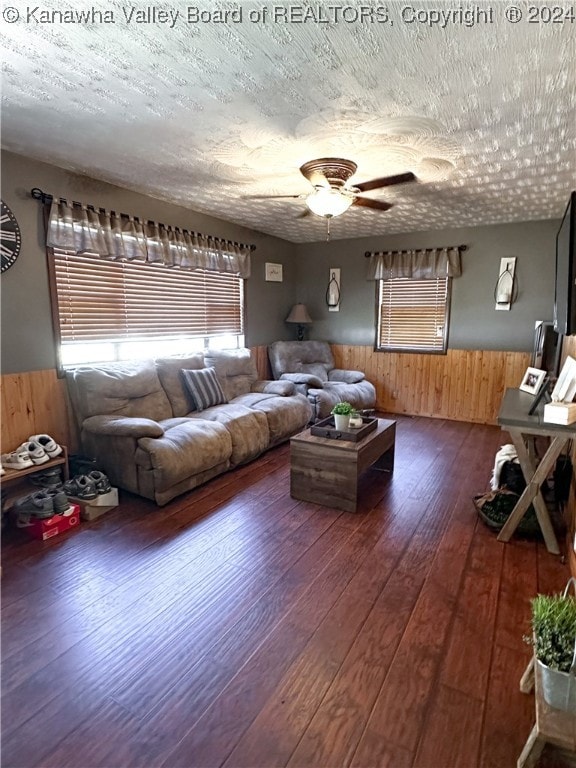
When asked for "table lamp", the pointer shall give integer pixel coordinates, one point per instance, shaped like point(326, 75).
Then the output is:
point(299, 315)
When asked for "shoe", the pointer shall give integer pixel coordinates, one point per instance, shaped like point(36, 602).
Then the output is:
point(38, 505)
point(49, 445)
point(35, 451)
point(49, 478)
point(102, 483)
point(60, 502)
point(18, 460)
point(81, 487)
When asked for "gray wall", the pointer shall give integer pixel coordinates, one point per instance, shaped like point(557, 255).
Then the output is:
point(27, 337)
point(474, 323)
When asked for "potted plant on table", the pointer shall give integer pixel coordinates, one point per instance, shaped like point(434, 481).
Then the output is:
point(554, 640)
point(342, 412)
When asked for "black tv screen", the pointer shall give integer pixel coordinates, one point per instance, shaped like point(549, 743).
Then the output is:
point(565, 295)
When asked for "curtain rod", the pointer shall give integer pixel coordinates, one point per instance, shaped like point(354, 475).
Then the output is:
point(45, 197)
point(409, 250)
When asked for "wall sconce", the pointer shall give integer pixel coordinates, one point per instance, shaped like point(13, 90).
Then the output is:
point(506, 290)
point(333, 291)
point(299, 315)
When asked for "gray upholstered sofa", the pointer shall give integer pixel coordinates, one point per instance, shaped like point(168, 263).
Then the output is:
point(140, 422)
point(310, 366)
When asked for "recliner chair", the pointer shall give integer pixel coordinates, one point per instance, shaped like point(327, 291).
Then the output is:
point(310, 365)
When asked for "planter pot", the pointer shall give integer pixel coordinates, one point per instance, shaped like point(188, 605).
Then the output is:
point(558, 688)
point(341, 422)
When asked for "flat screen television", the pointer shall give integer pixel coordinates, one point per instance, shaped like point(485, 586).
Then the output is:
point(565, 294)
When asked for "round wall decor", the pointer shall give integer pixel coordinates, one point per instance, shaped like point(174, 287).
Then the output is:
point(10, 237)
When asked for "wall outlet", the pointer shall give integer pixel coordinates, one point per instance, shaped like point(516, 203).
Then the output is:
point(395, 394)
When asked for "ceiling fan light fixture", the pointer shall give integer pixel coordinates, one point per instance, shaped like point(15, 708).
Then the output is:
point(328, 202)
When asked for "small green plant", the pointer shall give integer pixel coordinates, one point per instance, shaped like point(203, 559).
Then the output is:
point(342, 409)
point(554, 630)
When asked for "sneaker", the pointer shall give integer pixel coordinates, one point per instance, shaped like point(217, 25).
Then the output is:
point(49, 478)
point(82, 487)
point(38, 505)
point(102, 483)
point(59, 501)
point(17, 460)
point(35, 451)
point(49, 445)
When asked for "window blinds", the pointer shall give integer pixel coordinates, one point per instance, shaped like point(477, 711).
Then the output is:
point(112, 300)
point(413, 314)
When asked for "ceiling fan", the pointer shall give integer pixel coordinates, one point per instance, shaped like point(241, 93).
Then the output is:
point(333, 195)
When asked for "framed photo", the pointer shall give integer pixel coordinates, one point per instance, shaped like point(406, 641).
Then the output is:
point(273, 272)
point(565, 388)
point(532, 380)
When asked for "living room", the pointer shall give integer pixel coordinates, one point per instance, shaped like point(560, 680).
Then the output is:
point(491, 142)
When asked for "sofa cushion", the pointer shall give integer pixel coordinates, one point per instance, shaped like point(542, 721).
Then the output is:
point(248, 429)
point(315, 369)
point(294, 356)
point(360, 395)
point(169, 372)
point(235, 368)
point(119, 389)
point(285, 415)
point(184, 450)
point(203, 387)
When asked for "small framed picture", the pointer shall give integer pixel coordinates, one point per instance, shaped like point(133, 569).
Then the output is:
point(273, 272)
point(532, 380)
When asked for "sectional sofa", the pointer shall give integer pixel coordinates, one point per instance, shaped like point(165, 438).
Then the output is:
point(159, 428)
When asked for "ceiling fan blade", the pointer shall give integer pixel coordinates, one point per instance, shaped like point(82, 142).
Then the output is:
point(378, 205)
point(385, 181)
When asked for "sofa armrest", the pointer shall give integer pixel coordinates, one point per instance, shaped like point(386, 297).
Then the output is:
point(122, 426)
point(302, 378)
point(348, 377)
point(284, 388)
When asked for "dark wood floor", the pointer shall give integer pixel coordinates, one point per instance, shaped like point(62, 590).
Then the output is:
point(239, 627)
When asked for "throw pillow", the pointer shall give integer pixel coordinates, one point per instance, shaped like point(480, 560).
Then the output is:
point(203, 387)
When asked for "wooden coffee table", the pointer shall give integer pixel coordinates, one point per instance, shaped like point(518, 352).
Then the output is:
point(326, 471)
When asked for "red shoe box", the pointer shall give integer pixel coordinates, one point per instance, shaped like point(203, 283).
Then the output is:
point(46, 529)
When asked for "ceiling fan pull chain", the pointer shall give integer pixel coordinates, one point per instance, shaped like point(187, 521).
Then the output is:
point(328, 228)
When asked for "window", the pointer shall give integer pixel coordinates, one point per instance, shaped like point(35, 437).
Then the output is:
point(413, 315)
point(119, 310)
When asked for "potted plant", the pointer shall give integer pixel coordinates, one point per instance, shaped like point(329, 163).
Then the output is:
point(342, 412)
point(554, 640)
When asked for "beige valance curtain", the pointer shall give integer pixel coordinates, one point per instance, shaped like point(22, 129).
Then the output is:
point(424, 264)
point(81, 229)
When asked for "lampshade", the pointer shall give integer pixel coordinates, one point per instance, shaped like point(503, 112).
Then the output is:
point(299, 314)
point(329, 202)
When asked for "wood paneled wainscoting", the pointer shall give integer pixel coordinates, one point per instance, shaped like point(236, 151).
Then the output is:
point(35, 402)
point(464, 385)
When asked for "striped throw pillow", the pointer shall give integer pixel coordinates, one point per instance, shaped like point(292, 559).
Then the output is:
point(203, 387)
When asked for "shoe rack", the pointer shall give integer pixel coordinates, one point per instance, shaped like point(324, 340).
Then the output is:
point(10, 476)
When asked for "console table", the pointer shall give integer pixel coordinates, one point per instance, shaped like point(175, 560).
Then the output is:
point(523, 428)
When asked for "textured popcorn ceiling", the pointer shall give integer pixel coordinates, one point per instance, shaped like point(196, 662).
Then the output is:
point(207, 115)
